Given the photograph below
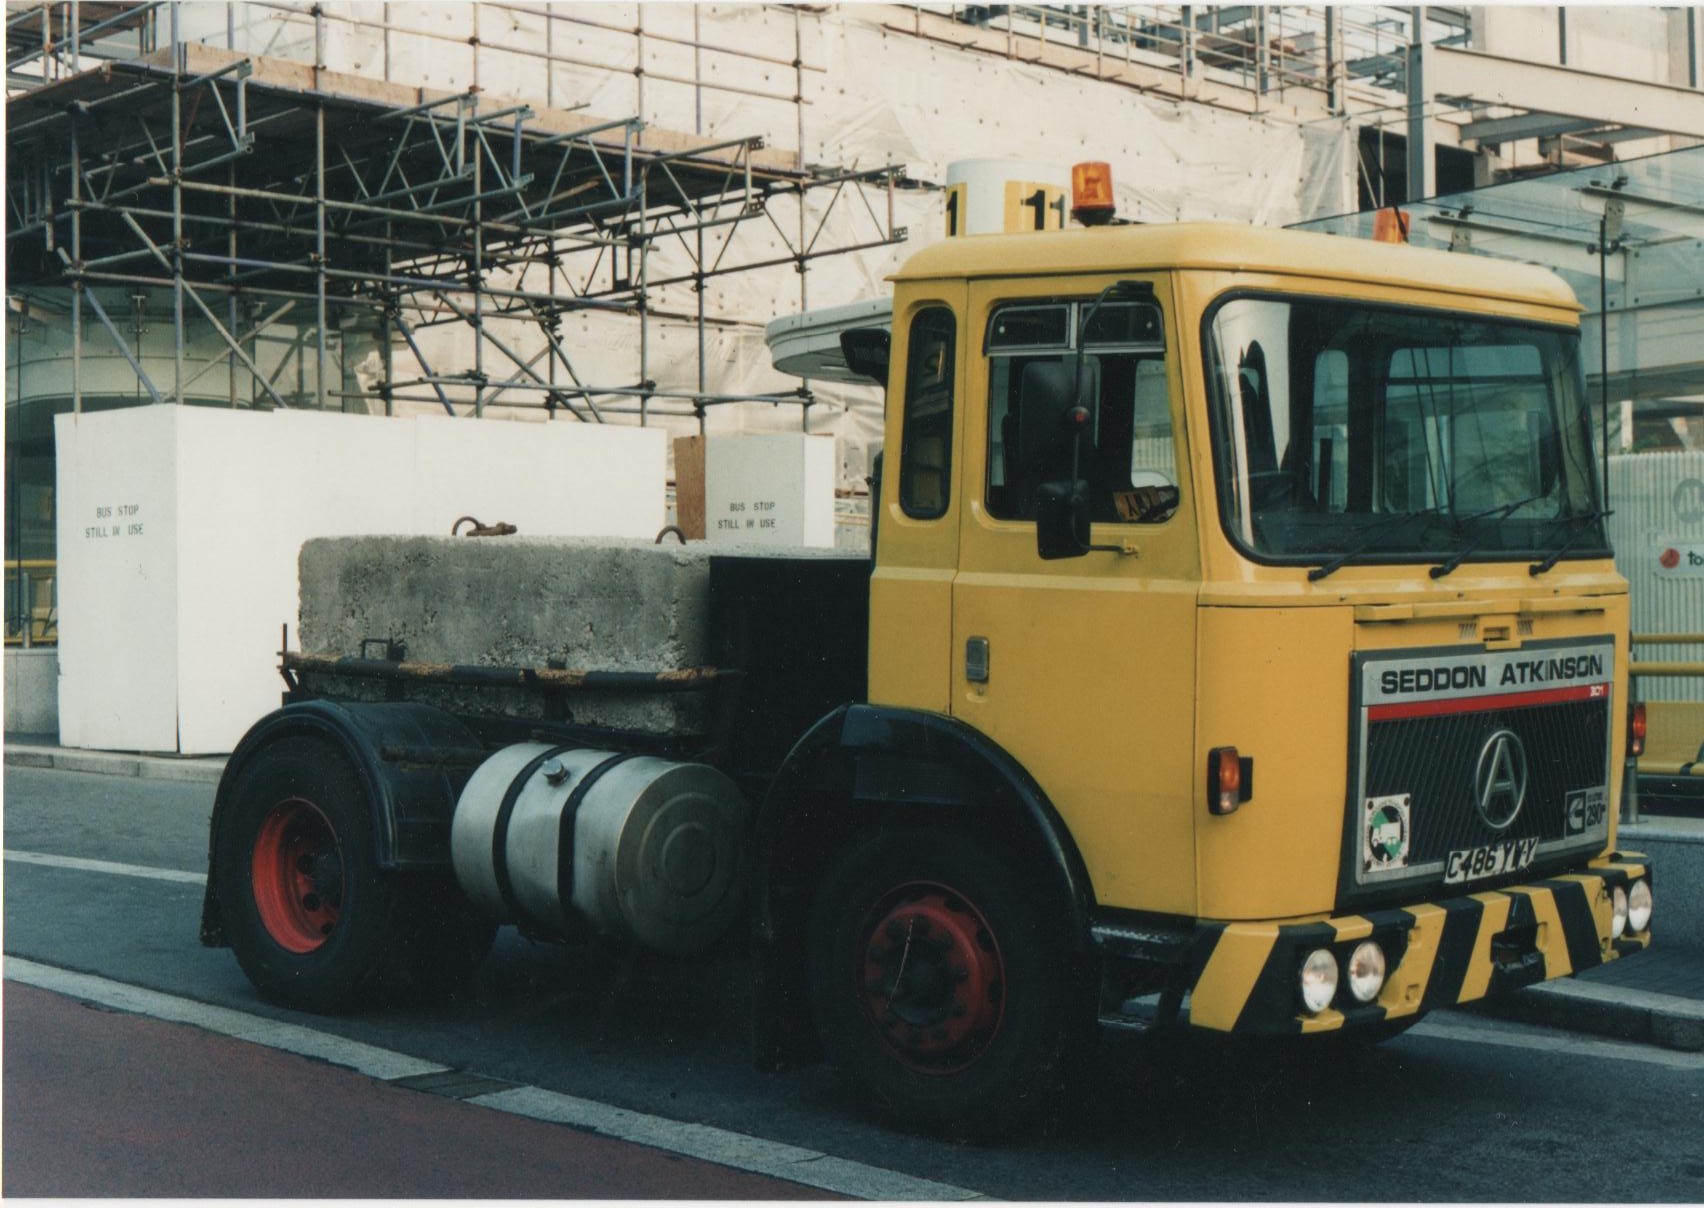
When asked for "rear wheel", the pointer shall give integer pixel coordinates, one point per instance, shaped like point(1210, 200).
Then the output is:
point(942, 989)
point(312, 919)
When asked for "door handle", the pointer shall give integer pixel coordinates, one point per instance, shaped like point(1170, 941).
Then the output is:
point(976, 660)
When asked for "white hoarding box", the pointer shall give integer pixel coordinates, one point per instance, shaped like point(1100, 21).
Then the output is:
point(179, 530)
point(772, 489)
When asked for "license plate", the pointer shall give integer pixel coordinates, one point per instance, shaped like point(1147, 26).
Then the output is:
point(1492, 860)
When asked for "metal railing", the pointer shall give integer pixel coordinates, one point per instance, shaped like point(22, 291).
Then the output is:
point(47, 40)
point(1659, 669)
point(32, 602)
point(1264, 49)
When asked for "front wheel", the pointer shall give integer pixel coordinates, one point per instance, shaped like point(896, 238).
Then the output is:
point(947, 994)
point(311, 917)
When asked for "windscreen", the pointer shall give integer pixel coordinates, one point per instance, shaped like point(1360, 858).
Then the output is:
point(1355, 433)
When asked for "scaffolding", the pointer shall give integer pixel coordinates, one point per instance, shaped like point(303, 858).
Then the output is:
point(225, 178)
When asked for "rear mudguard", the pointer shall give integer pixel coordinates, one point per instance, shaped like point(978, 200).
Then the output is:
point(863, 765)
point(412, 761)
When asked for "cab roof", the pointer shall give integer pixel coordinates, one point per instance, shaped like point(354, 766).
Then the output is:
point(1226, 247)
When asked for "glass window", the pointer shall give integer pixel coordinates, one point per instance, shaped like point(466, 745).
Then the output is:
point(1381, 433)
point(1129, 458)
point(926, 444)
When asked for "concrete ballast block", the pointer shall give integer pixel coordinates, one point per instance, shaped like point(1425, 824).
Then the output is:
point(580, 603)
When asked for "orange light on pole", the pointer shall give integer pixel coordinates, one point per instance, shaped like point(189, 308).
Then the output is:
point(1091, 193)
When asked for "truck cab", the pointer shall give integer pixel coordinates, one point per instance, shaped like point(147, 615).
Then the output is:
point(1272, 565)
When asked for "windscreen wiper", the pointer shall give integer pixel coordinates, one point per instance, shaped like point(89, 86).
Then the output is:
point(1501, 512)
point(1370, 538)
point(1555, 556)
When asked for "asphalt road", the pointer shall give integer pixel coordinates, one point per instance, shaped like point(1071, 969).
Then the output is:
point(1461, 1109)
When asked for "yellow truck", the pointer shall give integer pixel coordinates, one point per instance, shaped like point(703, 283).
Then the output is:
point(1244, 652)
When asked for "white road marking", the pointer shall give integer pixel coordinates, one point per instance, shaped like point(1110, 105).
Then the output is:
point(274, 1034)
point(718, 1145)
point(106, 866)
point(737, 1150)
point(1550, 1040)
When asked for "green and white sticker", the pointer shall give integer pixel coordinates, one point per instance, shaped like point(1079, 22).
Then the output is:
point(1385, 833)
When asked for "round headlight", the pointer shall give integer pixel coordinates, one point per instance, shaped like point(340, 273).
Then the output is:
point(1639, 906)
point(1366, 971)
point(1618, 905)
point(1319, 980)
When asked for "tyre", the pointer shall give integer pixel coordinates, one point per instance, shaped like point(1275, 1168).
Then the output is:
point(942, 989)
point(312, 919)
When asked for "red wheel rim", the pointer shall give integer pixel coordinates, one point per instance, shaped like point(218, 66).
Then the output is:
point(931, 977)
point(297, 876)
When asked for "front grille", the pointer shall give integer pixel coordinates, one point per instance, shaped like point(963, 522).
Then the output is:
point(1435, 731)
point(1434, 759)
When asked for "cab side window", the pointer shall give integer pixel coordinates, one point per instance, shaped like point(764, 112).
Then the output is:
point(1129, 458)
point(926, 442)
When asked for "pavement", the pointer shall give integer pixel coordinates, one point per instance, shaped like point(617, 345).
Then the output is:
point(1656, 997)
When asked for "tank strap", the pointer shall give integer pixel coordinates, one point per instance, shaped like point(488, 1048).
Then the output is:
point(565, 834)
point(500, 828)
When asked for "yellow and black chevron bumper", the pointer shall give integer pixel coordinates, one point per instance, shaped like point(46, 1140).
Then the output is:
point(1247, 975)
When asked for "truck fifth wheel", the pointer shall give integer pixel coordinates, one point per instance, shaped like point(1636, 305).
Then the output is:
point(1240, 650)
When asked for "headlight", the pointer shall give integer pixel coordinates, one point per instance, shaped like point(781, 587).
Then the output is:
point(1319, 980)
point(1639, 906)
point(1366, 971)
point(1618, 904)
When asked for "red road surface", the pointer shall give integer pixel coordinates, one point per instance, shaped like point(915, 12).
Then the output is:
point(105, 1104)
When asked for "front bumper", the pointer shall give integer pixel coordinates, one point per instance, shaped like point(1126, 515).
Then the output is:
point(1244, 976)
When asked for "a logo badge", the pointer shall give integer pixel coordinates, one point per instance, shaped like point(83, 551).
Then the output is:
point(1585, 810)
point(1385, 834)
point(1500, 780)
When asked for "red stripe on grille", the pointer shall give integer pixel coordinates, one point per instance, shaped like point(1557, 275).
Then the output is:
point(1481, 704)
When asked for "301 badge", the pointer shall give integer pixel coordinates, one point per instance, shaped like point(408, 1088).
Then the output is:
point(1385, 833)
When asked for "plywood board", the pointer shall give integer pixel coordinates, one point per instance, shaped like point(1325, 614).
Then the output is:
point(689, 486)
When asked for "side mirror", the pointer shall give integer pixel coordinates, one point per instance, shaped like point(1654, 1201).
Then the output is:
point(1062, 520)
point(866, 350)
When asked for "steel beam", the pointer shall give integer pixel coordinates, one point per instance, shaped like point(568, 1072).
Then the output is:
point(1564, 91)
point(1527, 125)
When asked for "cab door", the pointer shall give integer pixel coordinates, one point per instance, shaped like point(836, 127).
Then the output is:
point(1083, 668)
point(917, 548)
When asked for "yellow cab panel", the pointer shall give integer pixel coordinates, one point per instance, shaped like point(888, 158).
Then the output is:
point(911, 588)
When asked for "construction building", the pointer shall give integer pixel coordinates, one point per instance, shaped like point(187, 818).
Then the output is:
point(589, 213)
